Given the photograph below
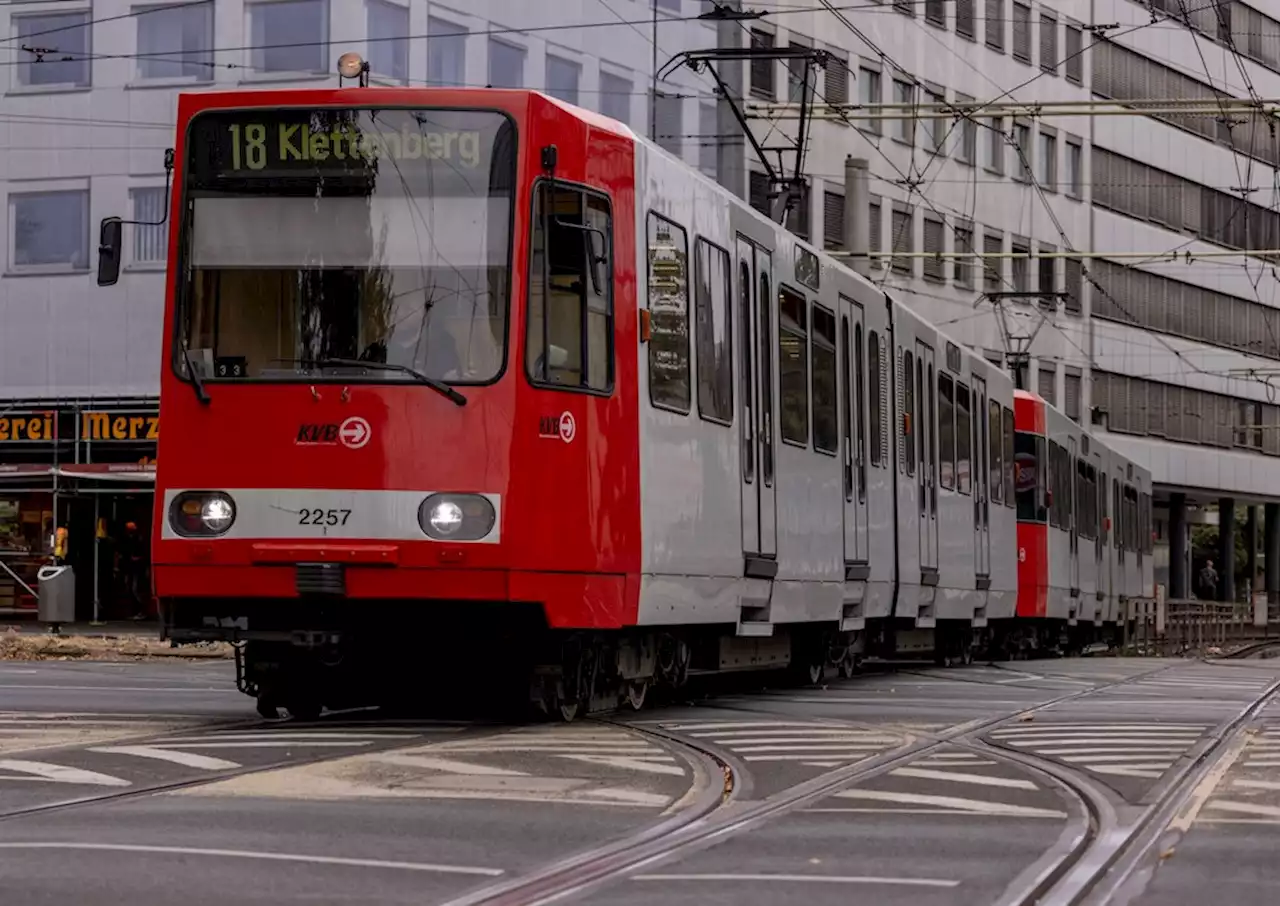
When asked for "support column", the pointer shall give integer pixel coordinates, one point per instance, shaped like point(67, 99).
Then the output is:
point(1178, 547)
point(857, 213)
point(1271, 556)
point(1251, 546)
point(1226, 549)
point(731, 160)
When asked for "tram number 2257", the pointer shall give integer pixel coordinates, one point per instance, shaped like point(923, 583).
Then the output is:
point(323, 517)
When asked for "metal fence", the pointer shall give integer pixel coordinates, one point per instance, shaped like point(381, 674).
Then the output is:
point(1170, 627)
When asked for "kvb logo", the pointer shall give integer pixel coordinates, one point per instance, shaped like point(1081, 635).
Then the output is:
point(353, 433)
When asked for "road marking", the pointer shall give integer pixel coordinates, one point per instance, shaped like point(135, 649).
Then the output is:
point(1256, 784)
point(628, 797)
point(958, 777)
point(277, 744)
point(817, 879)
point(56, 773)
point(810, 755)
point(1151, 769)
point(973, 806)
point(265, 856)
point(448, 766)
point(1244, 808)
point(284, 735)
point(651, 764)
point(205, 762)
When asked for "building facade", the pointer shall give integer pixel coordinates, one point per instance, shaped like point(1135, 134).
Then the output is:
point(1171, 355)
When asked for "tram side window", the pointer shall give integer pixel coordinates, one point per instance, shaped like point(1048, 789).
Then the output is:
point(793, 366)
point(1010, 463)
point(995, 452)
point(1029, 483)
point(571, 276)
point(946, 431)
point(826, 426)
point(713, 303)
point(1118, 505)
point(964, 440)
point(876, 406)
point(668, 315)
point(859, 410)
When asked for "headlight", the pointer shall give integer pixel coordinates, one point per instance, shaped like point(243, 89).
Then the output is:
point(456, 517)
point(202, 514)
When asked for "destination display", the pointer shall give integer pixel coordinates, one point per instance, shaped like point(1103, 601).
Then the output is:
point(457, 147)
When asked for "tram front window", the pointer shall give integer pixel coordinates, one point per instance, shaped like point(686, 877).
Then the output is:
point(379, 235)
point(1029, 481)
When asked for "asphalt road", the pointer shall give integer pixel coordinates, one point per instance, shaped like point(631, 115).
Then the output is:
point(210, 805)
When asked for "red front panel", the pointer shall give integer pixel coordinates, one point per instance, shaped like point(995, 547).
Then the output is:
point(569, 515)
point(1033, 569)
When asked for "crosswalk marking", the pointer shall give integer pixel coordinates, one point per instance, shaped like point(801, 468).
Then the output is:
point(796, 742)
point(56, 773)
point(1142, 750)
point(204, 762)
point(654, 766)
point(954, 803)
point(959, 777)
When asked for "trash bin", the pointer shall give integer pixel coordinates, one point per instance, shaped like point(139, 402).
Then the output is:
point(57, 591)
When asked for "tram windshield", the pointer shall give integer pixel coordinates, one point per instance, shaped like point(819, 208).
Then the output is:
point(380, 235)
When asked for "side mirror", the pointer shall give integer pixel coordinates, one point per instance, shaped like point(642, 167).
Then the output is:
point(110, 250)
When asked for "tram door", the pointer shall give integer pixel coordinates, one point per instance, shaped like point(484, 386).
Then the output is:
point(758, 400)
point(1073, 509)
point(926, 424)
point(854, 430)
point(981, 480)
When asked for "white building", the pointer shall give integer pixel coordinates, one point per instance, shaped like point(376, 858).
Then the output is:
point(1163, 351)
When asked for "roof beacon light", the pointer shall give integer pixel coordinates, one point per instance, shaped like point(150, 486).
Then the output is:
point(352, 66)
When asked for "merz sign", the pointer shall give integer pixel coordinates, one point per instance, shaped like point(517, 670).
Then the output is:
point(119, 426)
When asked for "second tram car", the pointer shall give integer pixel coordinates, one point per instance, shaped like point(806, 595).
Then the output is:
point(475, 383)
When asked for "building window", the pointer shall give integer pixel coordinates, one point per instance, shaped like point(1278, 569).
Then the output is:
point(933, 245)
point(446, 54)
point(964, 266)
point(1020, 264)
point(935, 122)
point(1049, 44)
point(1071, 396)
point(668, 121)
point(995, 24)
point(713, 304)
point(174, 42)
point(762, 70)
point(967, 148)
point(570, 321)
point(1048, 161)
point(1074, 63)
point(1047, 384)
point(615, 97)
point(835, 81)
point(150, 237)
point(795, 74)
point(993, 267)
point(1021, 33)
point(1047, 276)
point(671, 6)
point(388, 39)
point(798, 212)
point(964, 19)
point(289, 35)
point(1022, 147)
point(50, 230)
point(506, 65)
point(832, 220)
point(826, 422)
point(995, 144)
point(935, 12)
point(1075, 168)
point(708, 140)
point(874, 229)
point(562, 79)
point(869, 93)
point(905, 127)
point(68, 35)
point(903, 237)
point(1074, 288)
point(793, 366)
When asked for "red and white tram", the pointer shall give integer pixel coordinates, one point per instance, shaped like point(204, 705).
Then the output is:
point(475, 383)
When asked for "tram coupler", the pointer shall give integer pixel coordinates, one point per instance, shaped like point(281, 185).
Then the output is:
point(314, 638)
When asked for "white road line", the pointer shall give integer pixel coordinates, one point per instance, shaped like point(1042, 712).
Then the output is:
point(447, 766)
point(958, 777)
point(1256, 784)
point(1063, 725)
point(56, 773)
point(1244, 808)
point(1150, 769)
point(270, 857)
point(974, 806)
point(856, 738)
point(653, 766)
point(816, 747)
point(817, 879)
point(1126, 741)
point(1104, 759)
point(204, 762)
point(809, 756)
point(627, 797)
point(249, 737)
point(733, 725)
point(1153, 749)
point(283, 744)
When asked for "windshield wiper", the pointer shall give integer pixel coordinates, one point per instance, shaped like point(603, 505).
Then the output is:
point(196, 383)
point(438, 386)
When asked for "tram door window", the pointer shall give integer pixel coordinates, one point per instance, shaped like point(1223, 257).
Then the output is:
point(571, 291)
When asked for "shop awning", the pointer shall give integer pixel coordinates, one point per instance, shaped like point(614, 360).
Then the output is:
point(20, 471)
point(110, 472)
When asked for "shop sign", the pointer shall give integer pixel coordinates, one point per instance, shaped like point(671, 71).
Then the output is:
point(119, 426)
point(28, 427)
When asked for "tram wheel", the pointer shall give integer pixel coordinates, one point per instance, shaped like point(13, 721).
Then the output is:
point(304, 708)
point(267, 708)
point(637, 691)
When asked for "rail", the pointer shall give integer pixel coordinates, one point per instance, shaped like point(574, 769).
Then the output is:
point(1164, 627)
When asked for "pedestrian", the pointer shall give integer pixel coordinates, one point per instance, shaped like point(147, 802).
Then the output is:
point(1208, 581)
point(132, 570)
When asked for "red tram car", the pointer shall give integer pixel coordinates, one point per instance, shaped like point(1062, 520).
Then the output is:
point(471, 385)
